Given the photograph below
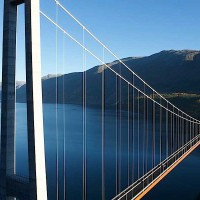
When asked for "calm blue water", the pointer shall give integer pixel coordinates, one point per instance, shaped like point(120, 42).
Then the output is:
point(182, 183)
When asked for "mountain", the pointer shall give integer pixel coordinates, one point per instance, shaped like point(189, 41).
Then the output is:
point(48, 76)
point(18, 85)
point(173, 73)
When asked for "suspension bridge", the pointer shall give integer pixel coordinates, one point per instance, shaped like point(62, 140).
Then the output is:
point(139, 135)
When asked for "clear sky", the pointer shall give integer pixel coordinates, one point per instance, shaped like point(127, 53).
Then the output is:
point(127, 27)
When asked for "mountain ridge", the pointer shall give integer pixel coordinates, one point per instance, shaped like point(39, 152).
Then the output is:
point(168, 72)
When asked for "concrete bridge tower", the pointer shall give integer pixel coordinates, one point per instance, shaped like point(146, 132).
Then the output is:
point(12, 186)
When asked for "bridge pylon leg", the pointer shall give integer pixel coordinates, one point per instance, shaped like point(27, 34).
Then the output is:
point(8, 95)
point(36, 184)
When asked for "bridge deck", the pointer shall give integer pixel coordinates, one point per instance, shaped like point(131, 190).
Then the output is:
point(143, 185)
point(166, 172)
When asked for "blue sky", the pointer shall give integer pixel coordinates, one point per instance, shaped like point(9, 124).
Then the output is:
point(128, 28)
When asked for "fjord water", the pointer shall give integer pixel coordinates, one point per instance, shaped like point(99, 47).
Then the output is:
point(69, 126)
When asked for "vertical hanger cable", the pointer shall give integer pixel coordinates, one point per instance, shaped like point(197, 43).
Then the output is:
point(56, 99)
point(64, 125)
point(103, 131)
